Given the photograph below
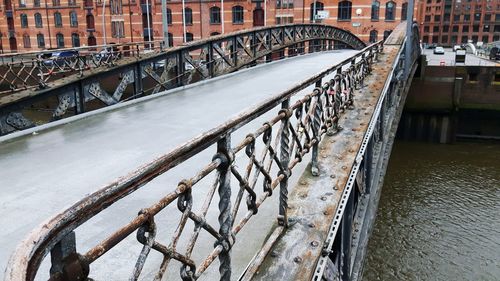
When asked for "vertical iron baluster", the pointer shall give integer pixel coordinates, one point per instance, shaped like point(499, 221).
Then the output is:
point(346, 238)
point(316, 127)
point(225, 217)
point(285, 160)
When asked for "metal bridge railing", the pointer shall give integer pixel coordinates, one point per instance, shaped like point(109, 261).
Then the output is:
point(126, 78)
point(284, 140)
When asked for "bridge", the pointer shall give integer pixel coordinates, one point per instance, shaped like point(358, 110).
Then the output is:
point(296, 154)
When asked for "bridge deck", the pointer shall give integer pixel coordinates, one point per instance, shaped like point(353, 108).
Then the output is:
point(45, 171)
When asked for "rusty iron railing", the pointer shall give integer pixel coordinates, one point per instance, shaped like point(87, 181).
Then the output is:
point(36, 85)
point(285, 139)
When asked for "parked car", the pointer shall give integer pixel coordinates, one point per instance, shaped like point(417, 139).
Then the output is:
point(439, 51)
point(58, 57)
point(495, 53)
point(457, 47)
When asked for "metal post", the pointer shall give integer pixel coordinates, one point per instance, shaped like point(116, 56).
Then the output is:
point(409, 37)
point(346, 238)
point(149, 24)
point(314, 12)
point(265, 12)
point(165, 23)
point(222, 14)
point(225, 216)
point(104, 22)
point(184, 20)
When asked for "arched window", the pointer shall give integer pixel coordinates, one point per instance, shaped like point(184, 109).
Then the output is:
point(40, 39)
point(390, 10)
point(373, 36)
point(90, 22)
point(75, 39)
point(57, 19)
point(26, 41)
point(237, 14)
point(60, 40)
point(73, 19)
point(319, 7)
point(169, 16)
point(38, 20)
point(387, 33)
point(215, 15)
point(188, 13)
point(24, 21)
point(345, 8)
point(375, 10)
point(404, 11)
point(189, 37)
point(91, 41)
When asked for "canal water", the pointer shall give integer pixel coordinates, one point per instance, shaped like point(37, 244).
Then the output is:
point(439, 214)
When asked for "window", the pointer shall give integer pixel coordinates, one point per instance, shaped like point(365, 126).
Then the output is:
point(117, 29)
point(215, 15)
point(116, 7)
point(56, 3)
point(373, 36)
point(90, 22)
point(91, 40)
point(189, 37)
point(466, 17)
point(497, 17)
point(319, 7)
point(170, 39)
point(426, 29)
point(455, 28)
point(188, 14)
point(446, 28)
point(22, 3)
point(454, 39)
point(435, 28)
point(404, 11)
point(237, 14)
point(73, 19)
point(26, 41)
point(464, 39)
point(24, 21)
point(387, 33)
point(456, 17)
point(487, 17)
point(486, 28)
point(444, 39)
point(57, 19)
point(475, 28)
point(437, 18)
point(425, 39)
point(40, 39)
point(36, 3)
point(75, 40)
point(375, 11)
point(345, 8)
point(496, 28)
point(390, 10)
point(465, 28)
point(485, 39)
point(477, 17)
point(71, 2)
point(60, 40)
point(169, 16)
point(427, 18)
point(38, 20)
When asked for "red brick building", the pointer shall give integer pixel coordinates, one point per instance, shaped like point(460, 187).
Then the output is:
point(29, 25)
point(451, 22)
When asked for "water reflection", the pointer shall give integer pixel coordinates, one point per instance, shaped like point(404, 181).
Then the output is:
point(439, 214)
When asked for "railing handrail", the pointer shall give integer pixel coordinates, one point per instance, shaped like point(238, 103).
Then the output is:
point(41, 239)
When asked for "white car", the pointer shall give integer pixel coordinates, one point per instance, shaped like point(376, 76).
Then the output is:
point(439, 51)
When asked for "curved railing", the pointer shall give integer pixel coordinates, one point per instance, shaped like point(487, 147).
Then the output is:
point(37, 80)
point(285, 140)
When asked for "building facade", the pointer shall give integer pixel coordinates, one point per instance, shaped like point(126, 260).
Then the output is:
point(32, 25)
point(452, 22)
